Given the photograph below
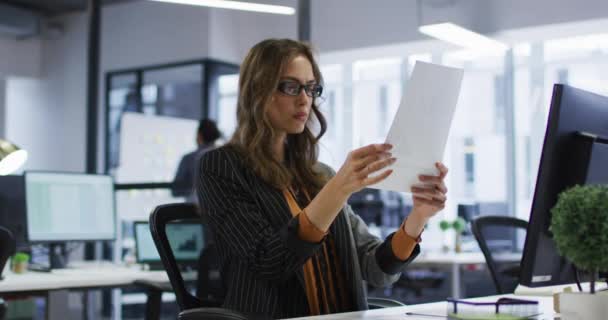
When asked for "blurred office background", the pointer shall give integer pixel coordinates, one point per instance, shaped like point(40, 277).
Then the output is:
point(168, 63)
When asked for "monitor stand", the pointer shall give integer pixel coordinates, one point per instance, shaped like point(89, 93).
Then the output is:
point(58, 256)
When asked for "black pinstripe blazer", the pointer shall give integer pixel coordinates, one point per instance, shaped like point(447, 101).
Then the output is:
point(261, 256)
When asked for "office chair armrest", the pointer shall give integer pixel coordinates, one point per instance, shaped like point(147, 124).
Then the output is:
point(378, 303)
point(217, 314)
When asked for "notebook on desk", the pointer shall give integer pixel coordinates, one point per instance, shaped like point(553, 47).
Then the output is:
point(186, 241)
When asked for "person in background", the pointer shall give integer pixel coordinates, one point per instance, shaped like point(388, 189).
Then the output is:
point(183, 183)
point(288, 243)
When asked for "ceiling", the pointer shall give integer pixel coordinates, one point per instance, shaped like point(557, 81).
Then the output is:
point(55, 7)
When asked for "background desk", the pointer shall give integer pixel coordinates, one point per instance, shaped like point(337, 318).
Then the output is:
point(437, 308)
point(82, 278)
point(454, 261)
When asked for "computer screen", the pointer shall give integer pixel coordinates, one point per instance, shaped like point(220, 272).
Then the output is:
point(69, 206)
point(575, 117)
point(186, 240)
point(12, 207)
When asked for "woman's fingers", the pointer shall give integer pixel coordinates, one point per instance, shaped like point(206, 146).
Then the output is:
point(361, 163)
point(429, 179)
point(434, 203)
point(442, 188)
point(443, 170)
point(369, 149)
point(368, 181)
point(374, 167)
point(428, 193)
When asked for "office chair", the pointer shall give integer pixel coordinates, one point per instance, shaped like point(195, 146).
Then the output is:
point(368, 204)
point(7, 249)
point(504, 272)
point(190, 307)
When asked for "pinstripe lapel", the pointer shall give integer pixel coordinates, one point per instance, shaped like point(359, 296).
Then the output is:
point(269, 196)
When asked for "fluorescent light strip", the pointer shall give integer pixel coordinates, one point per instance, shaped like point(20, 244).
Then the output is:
point(236, 5)
point(460, 36)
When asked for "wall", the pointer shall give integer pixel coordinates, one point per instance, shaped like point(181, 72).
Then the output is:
point(232, 32)
point(46, 114)
point(146, 32)
point(17, 58)
point(20, 57)
point(2, 108)
point(28, 120)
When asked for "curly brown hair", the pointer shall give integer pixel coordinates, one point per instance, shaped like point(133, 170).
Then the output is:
point(259, 77)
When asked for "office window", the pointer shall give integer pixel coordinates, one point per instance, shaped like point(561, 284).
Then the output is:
point(476, 148)
point(376, 95)
point(227, 103)
point(121, 98)
point(188, 90)
point(336, 142)
point(469, 166)
point(174, 91)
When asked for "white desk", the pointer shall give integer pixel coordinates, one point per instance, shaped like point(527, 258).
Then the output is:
point(423, 310)
point(82, 278)
point(452, 260)
point(76, 278)
point(455, 261)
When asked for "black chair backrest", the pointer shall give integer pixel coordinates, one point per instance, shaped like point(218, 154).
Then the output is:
point(505, 273)
point(7, 247)
point(159, 219)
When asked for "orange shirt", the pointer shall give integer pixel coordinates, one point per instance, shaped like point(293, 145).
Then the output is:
point(322, 286)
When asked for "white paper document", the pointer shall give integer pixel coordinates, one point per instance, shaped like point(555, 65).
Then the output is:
point(420, 129)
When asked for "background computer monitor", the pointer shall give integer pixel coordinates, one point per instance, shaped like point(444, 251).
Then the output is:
point(69, 207)
point(186, 240)
point(12, 207)
point(564, 163)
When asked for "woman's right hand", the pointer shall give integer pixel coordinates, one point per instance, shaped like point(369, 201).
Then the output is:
point(354, 174)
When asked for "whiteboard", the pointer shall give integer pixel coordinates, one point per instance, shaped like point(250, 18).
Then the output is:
point(150, 150)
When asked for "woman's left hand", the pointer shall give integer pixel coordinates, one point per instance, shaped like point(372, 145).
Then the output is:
point(429, 197)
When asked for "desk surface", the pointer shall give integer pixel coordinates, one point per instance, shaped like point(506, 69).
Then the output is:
point(74, 278)
point(434, 257)
point(422, 311)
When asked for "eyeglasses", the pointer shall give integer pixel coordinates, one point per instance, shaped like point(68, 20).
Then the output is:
point(293, 88)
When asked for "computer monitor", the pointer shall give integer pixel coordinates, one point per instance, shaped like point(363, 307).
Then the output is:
point(69, 207)
point(12, 207)
point(186, 240)
point(574, 152)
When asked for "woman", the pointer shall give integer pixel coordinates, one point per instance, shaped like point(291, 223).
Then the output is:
point(289, 245)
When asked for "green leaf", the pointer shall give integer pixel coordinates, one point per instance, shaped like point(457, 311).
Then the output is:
point(580, 226)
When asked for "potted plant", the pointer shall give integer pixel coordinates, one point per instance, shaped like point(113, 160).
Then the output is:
point(19, 262)
point(580, 229)
point(444, 225)
point(458, 225)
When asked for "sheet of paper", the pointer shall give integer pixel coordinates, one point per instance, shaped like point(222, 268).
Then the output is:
point(420, 129)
